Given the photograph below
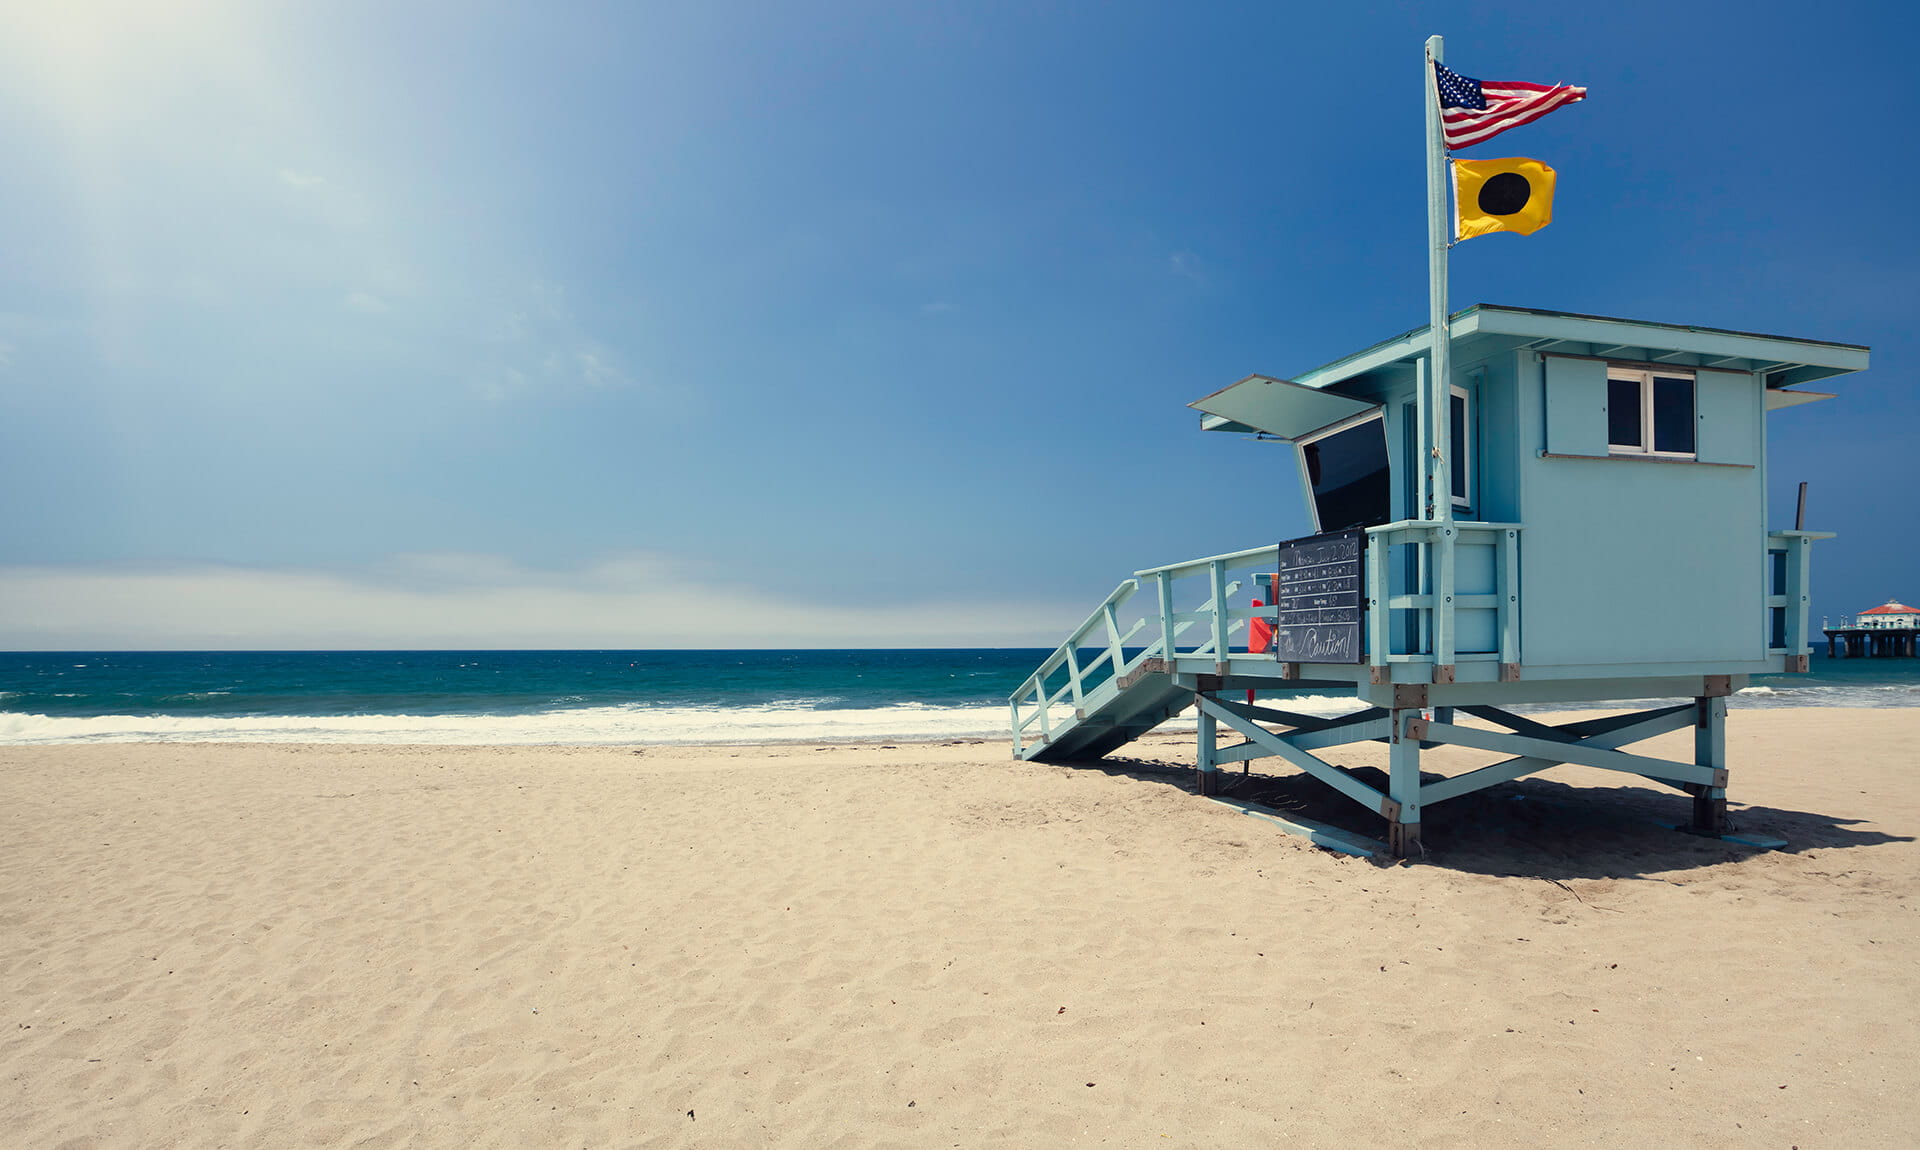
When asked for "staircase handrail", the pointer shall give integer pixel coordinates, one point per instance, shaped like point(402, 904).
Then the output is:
point(1192, 566)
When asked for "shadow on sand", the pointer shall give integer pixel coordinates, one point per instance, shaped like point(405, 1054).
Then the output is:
point(1532, 826)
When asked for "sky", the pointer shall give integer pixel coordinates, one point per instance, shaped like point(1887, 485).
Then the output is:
point(404, 324)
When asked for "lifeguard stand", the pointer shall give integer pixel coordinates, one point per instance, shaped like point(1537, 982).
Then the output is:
point(1585, 521)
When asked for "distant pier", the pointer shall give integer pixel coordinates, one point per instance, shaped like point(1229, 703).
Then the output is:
point(1873, 642)
point(1891, 631)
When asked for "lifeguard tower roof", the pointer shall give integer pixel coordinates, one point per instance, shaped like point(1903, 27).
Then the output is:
point(1487, 330)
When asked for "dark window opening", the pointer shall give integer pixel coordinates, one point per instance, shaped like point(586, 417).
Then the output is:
point(1623, 414)
point(1349, 475)
point(1673, 422)
point(1457, 416)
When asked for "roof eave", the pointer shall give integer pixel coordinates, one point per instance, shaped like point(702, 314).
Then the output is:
point(1805, 359)
point(1403, 346)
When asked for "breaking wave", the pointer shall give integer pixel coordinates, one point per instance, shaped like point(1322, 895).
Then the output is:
point(578, 726)
point(581, 726)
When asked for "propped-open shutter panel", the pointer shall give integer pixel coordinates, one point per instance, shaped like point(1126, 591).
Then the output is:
point(1280, 408)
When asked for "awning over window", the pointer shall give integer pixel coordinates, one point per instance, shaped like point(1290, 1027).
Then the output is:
point(1279, 408)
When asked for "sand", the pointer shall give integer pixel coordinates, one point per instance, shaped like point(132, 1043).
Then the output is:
point(933, 945)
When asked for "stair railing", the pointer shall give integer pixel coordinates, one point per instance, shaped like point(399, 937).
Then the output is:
point(1217, 622)
point(1107, 667)
point(1086, 687)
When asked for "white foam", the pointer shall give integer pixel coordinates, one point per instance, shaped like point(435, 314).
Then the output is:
point(585, 725)
point(636, 725)
point(1325, 706)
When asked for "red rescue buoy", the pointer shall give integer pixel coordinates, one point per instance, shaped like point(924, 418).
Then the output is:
point(1259, 632)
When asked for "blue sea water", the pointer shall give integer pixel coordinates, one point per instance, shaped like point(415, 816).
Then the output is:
point(611, 697)
point(582, 697)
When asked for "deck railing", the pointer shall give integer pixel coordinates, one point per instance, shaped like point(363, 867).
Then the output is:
point(1789, 570)
point(1214, 627)
point(1423, 599)
point(1420, 568)
point(1437, 593)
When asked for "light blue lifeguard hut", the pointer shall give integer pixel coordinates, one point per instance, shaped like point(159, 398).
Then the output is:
point(1581, 518)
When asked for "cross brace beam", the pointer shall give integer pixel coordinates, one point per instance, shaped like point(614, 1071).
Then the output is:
point(1301, 722)
point(1319, 768)
point(1619, 731)
point(1310, 731)
point(1538, 753)
point(1536, 746)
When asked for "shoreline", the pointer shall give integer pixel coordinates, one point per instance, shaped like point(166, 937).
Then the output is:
point(930, 942)
point(402, 722)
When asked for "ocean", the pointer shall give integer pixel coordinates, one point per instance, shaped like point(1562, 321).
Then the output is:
point(612, 697)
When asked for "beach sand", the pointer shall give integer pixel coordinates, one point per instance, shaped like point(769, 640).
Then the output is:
point(934, 945)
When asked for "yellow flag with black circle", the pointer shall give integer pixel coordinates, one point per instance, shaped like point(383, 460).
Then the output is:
point(1511, 195)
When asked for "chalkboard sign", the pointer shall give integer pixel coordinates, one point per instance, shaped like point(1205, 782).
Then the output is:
point(1317, 595)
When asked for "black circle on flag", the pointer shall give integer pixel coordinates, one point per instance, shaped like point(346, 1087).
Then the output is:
point(1505, 194)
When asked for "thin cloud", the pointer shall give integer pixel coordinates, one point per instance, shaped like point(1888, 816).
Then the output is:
point(368, 302)
point(14, 327)
point(344, 205)
point(1187, 265)
point(539, 345)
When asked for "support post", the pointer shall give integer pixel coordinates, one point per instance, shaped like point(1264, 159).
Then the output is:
point(1206, 755)
point(1115, 650)
point(1403, 786)
point(1422, 441)
point(1217, 587)
point(1507, 583)
point(1164, 586)
point(1797, 593)
point(1378, 615)
point(1442, 552)
point(1710, 750)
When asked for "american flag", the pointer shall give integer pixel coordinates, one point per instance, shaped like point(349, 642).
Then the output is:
point(1475, 111)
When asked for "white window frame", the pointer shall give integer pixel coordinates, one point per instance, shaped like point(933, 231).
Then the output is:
point(1644, 377)
point(1463, 450)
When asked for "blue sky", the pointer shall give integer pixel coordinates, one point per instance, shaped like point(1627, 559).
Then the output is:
point(838, 324)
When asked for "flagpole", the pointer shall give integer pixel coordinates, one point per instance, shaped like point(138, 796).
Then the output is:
point(1436, 493)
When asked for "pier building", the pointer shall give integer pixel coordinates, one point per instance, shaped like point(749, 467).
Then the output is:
point(1889, 630)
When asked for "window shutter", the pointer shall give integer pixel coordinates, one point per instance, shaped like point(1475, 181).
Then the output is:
point(1576, 406)
point(1727, 405)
